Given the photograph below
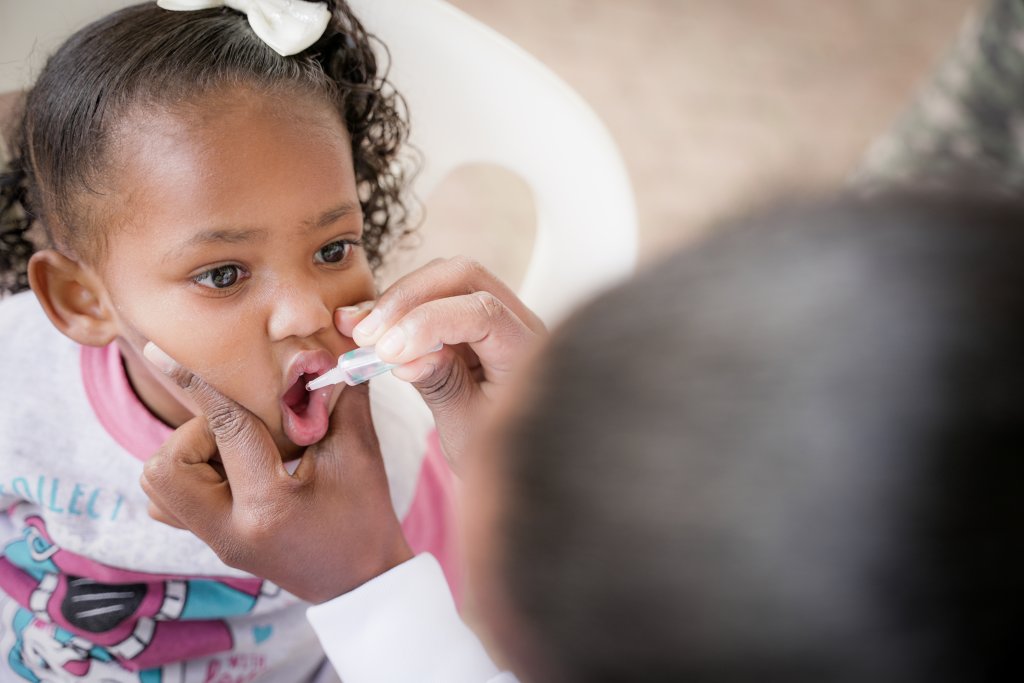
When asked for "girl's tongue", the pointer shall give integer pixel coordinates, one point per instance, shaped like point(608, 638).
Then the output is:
point(304, 414)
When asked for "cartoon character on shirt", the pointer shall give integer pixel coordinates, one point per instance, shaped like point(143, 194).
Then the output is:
point(44, 653)
point(78, 619)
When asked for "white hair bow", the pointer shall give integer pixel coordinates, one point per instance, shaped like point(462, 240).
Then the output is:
point(288, 26)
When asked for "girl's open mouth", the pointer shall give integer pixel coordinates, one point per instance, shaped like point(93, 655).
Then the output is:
point(305, 415)
point(297, 398)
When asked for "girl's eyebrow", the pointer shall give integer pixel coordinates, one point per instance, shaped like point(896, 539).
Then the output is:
point(227, 235)
point(328, 217)
point(239, 235)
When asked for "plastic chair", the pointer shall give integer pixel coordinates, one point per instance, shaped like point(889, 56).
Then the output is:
point(475, 97)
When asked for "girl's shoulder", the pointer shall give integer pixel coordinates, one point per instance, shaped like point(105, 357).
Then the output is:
point(15, 307)
point(30, 346)
point(17, 302)
point(24, 326)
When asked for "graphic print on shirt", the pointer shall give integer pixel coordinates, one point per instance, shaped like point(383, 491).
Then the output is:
point(74, 619)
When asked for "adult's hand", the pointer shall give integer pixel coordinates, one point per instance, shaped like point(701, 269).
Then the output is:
point(334, 509)
point(486, 329)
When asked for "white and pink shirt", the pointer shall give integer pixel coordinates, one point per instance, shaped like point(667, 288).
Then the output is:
point(92, 589)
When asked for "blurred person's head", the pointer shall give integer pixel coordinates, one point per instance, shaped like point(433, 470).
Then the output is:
point(793, 453)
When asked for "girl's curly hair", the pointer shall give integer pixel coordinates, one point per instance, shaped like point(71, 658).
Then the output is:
point(147, 56)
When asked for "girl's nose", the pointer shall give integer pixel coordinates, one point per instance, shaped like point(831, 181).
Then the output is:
point(297, 311)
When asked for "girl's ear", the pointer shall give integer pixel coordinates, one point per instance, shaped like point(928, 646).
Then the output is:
point(73, 298)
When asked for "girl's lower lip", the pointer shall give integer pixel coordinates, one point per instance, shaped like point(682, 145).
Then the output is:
point(309, 426)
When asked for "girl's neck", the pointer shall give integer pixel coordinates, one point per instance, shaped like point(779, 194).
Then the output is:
point(150, 388)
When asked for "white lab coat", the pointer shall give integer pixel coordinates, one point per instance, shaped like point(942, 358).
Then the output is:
point(402, 626)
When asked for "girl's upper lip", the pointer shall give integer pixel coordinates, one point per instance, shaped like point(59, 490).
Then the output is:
point(309, 362)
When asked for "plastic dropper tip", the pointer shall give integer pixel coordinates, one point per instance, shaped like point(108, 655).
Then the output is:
point(320, 382)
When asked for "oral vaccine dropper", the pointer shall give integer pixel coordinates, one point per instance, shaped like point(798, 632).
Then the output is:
point(355, 367)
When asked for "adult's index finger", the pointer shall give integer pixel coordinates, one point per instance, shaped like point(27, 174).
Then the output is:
point(243, 441)
point(439, 279)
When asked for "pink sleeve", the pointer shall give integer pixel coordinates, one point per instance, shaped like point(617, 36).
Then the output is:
point(430, 526)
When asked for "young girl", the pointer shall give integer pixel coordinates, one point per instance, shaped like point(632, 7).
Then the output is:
point(199, 190)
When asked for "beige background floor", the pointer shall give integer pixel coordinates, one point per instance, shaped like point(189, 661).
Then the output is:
point(715, 104)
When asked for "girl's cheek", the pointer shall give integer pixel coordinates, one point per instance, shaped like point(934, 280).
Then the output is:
point(208, 353)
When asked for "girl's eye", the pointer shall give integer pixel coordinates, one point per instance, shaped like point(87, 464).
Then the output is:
point(335, 252)
point(221, 277)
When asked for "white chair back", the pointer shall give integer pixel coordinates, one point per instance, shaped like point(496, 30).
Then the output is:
point(476, 97)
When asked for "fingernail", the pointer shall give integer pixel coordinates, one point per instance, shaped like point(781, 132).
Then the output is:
point(392, 343)
point(361, 307)
point(155, 355)
point(369, 324)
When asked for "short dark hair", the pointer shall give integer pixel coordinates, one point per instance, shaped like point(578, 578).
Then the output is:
point(793, 453)
point(146, 55)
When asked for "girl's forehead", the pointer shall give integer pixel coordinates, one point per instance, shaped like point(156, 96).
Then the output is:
point(217, 114)
point(247, 156)
point(230, 134)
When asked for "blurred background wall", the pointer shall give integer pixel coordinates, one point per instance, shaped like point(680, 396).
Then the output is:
point(720, 104)
point(715, 104)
